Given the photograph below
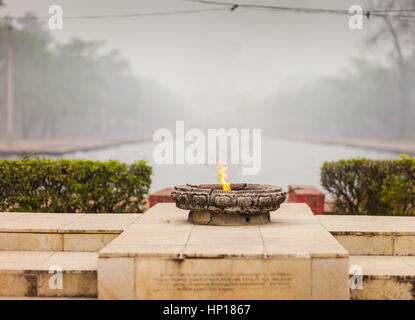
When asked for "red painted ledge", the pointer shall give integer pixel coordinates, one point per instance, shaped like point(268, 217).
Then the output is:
point(161, 196)
point(307, 194)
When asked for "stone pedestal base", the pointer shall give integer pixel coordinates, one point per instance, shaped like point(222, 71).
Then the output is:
point(163, 256)
point(224, 219)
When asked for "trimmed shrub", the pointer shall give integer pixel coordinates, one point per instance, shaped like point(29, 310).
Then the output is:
point(370, 187)
point(46, 185)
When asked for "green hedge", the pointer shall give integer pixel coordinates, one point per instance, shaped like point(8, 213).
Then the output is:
point(45, 185)
point(369, 187)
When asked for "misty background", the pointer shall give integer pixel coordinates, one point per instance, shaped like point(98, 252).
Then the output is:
point(290, 74)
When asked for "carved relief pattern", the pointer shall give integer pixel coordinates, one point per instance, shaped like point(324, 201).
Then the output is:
point(249, 199)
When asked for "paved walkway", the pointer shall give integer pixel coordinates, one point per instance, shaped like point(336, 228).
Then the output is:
point(406, 147)
point(62, 146)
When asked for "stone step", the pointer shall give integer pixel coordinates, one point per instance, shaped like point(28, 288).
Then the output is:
point(60, 231)
point(383, 277)
point(48, 274)
point(372, 235)
point(162, 256)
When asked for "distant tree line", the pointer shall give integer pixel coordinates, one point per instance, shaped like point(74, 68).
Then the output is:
point(74, 89)
point(369, 100)
point(363, 103)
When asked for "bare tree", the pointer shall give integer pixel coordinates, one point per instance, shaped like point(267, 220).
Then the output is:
point(398, 29)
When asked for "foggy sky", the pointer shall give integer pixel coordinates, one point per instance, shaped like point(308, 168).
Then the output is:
point(216, 60)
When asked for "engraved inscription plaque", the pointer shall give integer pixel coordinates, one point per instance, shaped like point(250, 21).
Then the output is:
point(224, 279)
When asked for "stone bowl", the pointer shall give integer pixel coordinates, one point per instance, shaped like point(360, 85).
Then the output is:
point(245, 204)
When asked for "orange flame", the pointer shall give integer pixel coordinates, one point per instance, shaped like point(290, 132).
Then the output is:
point(223, 176)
